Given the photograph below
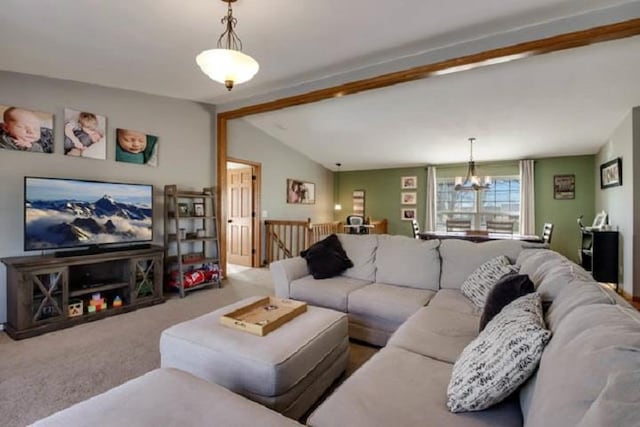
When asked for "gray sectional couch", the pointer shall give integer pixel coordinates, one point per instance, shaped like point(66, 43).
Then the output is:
point(406, 294)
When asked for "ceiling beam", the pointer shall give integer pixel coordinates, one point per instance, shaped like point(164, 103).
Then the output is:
point(514, 52)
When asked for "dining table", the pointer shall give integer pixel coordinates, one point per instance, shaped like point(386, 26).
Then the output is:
point(479, 236)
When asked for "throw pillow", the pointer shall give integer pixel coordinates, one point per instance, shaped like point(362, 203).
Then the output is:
point(326, 258)
point(501, 358)
point(477, 286)
point(509, 287)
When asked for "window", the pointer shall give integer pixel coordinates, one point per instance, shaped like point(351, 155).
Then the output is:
point(501, 203)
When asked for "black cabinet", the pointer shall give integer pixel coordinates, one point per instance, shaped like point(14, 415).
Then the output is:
point(599, 255)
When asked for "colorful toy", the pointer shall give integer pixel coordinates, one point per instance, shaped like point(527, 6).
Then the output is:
point(97, 303)
point(117, 301)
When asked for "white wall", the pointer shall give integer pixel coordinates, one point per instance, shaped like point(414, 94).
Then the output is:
point(618, 201)
point(186, 132)
point(279, 162)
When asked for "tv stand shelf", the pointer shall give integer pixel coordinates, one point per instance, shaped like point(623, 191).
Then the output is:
point(43, 290)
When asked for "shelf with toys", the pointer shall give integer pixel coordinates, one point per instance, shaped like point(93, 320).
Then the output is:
point(192, 250)
point(46, 293)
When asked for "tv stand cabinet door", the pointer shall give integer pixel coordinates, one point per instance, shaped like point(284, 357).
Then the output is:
point(43, 297)
point(146, 277)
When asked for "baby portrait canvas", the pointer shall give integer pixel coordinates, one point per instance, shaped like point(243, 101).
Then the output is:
point(133, 146)
point(85, 134)
point(25, 130)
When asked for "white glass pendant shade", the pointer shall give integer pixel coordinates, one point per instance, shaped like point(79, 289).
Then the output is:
point(227, 66)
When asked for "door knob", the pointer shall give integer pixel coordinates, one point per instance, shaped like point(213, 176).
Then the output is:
point(229, 221)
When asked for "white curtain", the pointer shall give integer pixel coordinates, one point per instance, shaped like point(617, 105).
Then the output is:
point(430, 216)
point(527, 198)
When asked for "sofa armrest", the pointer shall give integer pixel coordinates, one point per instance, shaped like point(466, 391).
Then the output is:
point(285, 271)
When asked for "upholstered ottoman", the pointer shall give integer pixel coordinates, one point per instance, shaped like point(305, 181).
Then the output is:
point(286, 370)
point(166, 397)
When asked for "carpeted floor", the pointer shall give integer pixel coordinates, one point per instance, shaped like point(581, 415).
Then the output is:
point(41, 375)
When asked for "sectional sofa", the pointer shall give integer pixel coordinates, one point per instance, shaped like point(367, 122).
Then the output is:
point(405, 294)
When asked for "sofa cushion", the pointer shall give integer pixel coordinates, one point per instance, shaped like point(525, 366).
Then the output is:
point(388, 302)
point(453, 300)
point(576, 293)
point(361, 250)
point(419, 261)
point(501, 358)
point(460, 258)
point(331, 293)
point(437, 333)
point(477, 286)
point(399, 388)
point(371, 329)
point(592, 350)
point(530, 259)
point(510, 287)
point(556, 277)
point(326, 258)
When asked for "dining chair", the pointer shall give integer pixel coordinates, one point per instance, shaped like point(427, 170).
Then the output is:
point(458, 224)
point(504, 227)
point(547, 231)
point(356, 222)
point(416, 229)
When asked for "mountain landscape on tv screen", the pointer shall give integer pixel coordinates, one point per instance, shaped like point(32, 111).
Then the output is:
point(67, 222)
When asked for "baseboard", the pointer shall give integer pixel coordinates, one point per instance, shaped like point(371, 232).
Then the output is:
point(634, 300)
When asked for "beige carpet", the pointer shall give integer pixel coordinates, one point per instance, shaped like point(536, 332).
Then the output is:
point(41, 375)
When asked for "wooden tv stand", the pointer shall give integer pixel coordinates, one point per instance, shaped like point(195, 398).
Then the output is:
point(44, 292)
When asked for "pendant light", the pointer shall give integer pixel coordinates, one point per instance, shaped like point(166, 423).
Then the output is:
point(227, 64)
point(472, 182)
point(337, 206)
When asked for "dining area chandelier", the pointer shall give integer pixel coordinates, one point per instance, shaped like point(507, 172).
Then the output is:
point(472, 181)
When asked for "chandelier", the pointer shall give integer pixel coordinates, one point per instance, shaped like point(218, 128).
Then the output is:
point(227, 64)
point(472, 182)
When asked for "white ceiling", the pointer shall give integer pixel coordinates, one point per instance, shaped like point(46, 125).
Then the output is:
point(150, 45)
point(564, 103)
point(558, 104)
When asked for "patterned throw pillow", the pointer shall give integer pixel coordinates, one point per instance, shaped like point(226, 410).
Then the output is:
point(480, 282)
point(501, 358)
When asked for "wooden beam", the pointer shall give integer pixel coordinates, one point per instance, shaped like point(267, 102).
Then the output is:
point(514, 52)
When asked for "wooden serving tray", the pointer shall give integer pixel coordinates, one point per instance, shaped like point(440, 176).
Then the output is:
point(263, 316)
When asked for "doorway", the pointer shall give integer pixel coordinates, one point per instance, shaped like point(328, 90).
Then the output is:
point(243, 207)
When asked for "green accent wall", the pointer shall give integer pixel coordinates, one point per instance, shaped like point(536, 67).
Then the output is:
point(563, 213)
point(382, 195)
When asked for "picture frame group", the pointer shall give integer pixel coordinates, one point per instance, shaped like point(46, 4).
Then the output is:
point(85, 135)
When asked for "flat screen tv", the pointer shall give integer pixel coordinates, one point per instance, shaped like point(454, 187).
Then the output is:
point(67, 213)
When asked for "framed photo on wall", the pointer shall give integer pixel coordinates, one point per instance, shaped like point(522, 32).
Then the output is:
point(301, 192)
point(409, 182)
point(564, 187)
point(407, 214)
point(25, 130)
point(611, 173)
point(408, 197)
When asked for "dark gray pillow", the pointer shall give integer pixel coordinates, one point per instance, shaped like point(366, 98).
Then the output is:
point(509, 288)
point(326, 258)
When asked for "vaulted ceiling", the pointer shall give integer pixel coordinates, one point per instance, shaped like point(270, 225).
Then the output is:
point(558, 104)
